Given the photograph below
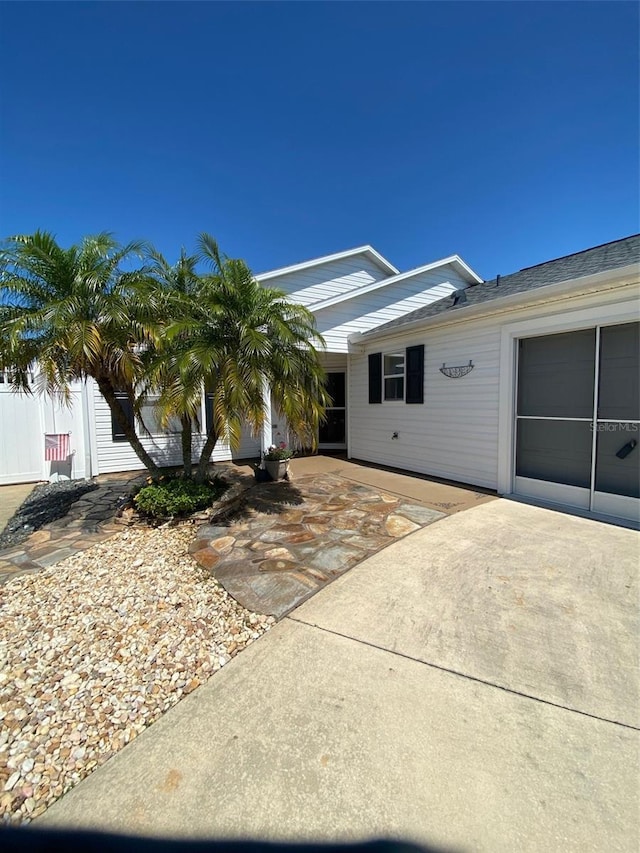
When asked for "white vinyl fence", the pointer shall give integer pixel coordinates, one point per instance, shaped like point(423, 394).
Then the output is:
point(24, 420)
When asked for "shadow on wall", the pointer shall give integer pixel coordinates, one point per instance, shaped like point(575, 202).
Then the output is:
point(62, 469)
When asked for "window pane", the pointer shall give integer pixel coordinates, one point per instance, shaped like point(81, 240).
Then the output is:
point(394, 389)
point(394, 364)
point(151, 419)
point(557, 451)
point(555, 375)
point(614, 475)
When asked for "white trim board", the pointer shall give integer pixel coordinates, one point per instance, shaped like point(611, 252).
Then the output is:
point(369, 251)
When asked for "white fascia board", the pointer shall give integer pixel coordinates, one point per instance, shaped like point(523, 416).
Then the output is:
point(454, 260)
point(376, 257)
point(505, 304)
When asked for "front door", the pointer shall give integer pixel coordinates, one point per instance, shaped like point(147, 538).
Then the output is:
point(577, 419)
point(333, 432)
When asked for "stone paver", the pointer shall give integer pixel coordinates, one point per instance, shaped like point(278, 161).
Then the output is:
point(352, 537)
point(90, 520)
point(287, 540)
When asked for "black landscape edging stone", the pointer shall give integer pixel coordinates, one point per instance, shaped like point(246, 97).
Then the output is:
point(47, 502)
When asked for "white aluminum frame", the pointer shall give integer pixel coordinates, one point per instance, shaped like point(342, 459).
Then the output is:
point(598, 502)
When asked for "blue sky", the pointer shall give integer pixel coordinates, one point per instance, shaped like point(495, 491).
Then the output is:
point(505, 132)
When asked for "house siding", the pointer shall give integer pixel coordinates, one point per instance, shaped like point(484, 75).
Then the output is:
point(365, 312)
point(112, 456)
point(455, 433)
point(325, 281)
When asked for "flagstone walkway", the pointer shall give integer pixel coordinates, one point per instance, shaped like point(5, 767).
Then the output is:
point(281, 542)
point(284, 541)
point(89, 520)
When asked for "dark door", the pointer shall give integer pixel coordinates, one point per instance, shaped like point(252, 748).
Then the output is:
point(333, 432)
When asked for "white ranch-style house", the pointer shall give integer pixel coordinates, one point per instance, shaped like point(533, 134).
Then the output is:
point(527, 384)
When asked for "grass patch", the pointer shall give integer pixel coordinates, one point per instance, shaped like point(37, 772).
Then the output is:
point(177, 497)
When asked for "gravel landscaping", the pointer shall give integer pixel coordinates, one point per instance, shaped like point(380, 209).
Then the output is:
point(97, 647)
point(46, 503)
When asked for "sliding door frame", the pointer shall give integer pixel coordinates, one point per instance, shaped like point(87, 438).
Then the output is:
point(594, 317)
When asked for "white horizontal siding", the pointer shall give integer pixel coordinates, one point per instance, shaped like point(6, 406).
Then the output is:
point(334, 361)
point(454, 434)
point(328, 280)
point(115, 456)
point(365, 312)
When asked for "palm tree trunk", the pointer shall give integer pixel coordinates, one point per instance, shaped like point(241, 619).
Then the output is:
point(107, 391)
point(205, 456)
point(186, 437)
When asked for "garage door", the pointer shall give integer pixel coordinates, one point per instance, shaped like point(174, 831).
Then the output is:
point(578, 419)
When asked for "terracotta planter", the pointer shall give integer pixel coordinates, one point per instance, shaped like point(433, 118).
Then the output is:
point(277, 468)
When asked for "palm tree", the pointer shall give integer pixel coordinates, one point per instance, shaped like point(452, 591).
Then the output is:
point(243, 342)
point(73, 312)
point(169, 371)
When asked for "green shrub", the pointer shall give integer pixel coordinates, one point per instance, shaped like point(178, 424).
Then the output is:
point(177, 497)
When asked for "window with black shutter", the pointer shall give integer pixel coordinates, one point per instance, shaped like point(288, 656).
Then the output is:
point(375, 377)
point(116, 430)
point(415, 374)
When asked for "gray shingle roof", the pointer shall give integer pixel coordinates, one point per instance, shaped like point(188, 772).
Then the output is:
point(609, 256)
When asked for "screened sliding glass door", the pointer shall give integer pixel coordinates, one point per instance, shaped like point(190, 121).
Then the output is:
point(617, 434)
point(578, 417)
point(554, 416)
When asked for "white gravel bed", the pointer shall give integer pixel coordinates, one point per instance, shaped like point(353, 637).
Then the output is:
point(97, 647)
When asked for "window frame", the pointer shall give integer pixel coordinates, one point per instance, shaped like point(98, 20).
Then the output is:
point(402, 376)
point(149, 433)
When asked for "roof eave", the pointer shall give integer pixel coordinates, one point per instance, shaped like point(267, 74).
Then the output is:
point(375, 256)
point(502, 303)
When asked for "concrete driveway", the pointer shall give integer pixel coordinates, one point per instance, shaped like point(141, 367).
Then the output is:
point(11, 497)
point(473, 686)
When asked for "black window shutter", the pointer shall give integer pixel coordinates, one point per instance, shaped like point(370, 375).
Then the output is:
point(116, 429)
point(375, 377)
point(415, 374)
point(208, 412)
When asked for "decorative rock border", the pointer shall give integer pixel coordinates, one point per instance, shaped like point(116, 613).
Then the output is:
point(90, 520)
point(96, 516)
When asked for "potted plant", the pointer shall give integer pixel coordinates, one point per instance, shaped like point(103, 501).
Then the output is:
point(276, 461)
